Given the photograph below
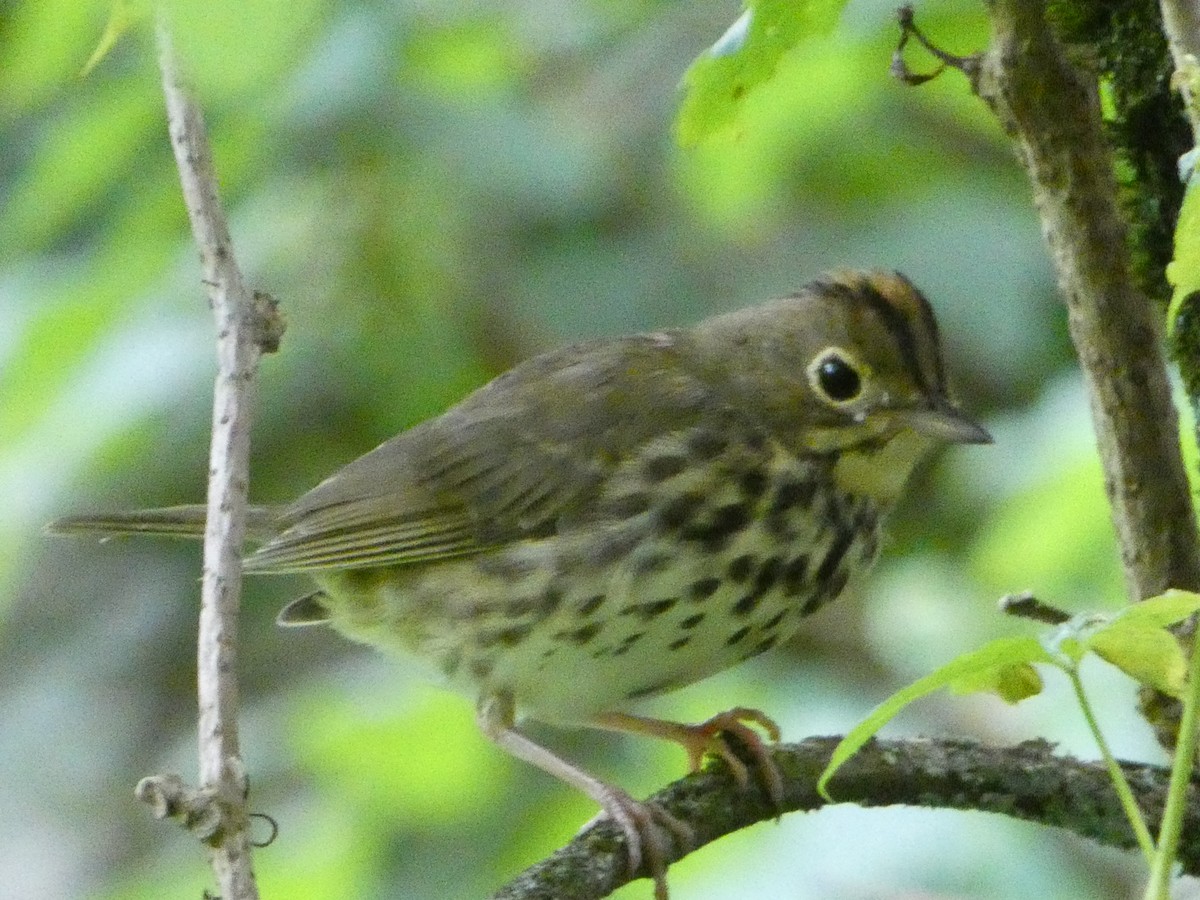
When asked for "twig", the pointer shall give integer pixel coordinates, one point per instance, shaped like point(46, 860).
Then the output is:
point(1027, 606)
point(246, 325)
point(1027, 782)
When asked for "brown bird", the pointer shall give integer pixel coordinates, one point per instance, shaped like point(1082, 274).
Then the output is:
point(622, 517)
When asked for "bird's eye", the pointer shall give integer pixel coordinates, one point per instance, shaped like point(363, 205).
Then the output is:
point(835, 377)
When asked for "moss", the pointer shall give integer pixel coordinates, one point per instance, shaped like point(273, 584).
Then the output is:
point(1146, 124)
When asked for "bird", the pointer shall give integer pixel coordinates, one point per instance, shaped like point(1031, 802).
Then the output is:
point(622, 517)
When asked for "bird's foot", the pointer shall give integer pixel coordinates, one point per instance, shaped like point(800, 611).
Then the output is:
point(723, 736)
point(653, 836)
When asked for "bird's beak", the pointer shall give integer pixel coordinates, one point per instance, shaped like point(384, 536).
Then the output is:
point(944, 422)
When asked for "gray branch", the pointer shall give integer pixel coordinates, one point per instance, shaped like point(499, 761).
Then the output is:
point(1052, 112)
point(1027, 782)
point(247, 324)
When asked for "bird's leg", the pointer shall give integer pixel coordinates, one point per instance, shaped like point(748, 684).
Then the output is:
point(651, 833)
point(709, 736)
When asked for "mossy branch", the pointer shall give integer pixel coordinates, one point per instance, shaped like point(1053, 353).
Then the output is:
point(1052, 112)
point(1028, 782)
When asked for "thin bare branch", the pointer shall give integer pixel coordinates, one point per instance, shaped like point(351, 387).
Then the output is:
point(246, 324)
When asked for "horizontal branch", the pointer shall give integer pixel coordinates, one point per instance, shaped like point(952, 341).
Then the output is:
point(1028, 782)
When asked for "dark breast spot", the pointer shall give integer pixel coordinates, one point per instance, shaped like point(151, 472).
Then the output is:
point(590, 605)
point(692, 621)
point(660, 468)
point(650, 690)
point(680, 643)
point(774, 620)
point(715, 534)
point(704, 445)
point(791, 494)
point(651, 609)
point(582, 635)
point(609, 546)
point(503, 637)
point(628, 642)
point(522, 606)
point(737, 637)
point(551, 600)
point(768, 574)
point(703, 589)
point(678, 511)
point(648, 563)
point(731, 517)
point(740, 568)
point(764, 645)
point(626, 506)
point(746, 605)
point(825, 592)
point(510, 637)
point(795, 576)
point(833, 559)
point(753, 483)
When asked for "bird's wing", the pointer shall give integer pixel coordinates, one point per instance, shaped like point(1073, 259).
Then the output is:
point(510, 461)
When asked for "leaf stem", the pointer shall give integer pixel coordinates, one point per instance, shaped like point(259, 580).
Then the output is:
point(1163, 864)
point(1124, 792)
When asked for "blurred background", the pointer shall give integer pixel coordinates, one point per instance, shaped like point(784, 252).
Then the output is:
point(435, 191)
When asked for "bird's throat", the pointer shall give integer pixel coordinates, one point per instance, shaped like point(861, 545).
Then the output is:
point(880, 469)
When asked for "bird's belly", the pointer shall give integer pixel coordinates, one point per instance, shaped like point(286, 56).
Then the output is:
point(594, 618)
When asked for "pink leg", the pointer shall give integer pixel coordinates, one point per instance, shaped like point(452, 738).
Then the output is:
point(708, 737)
point(651, 833)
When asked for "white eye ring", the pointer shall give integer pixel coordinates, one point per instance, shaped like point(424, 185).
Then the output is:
point(836, 376)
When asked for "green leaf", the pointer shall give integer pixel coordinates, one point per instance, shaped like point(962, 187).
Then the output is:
point(977, 667)
point(1012, 683)
point(1166, 609)
point(746, 56)
point(121, 18)
point(1137, 642)
point(1149, 654)
point(1183, 272)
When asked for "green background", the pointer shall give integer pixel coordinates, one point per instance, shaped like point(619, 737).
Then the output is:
point(435, 191)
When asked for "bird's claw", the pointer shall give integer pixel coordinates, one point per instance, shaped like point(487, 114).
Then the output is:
point(712, 736)
point(653, 837)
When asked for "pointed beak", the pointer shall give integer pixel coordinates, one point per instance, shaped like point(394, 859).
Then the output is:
point(945, 422)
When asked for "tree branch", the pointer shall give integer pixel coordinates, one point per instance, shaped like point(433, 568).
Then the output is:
point(1027, 782)
point(247, 325)
point(1052, 112)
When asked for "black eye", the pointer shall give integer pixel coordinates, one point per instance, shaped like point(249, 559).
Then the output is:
point(837, 379)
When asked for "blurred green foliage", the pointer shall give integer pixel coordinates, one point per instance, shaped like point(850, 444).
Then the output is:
point(436, 191)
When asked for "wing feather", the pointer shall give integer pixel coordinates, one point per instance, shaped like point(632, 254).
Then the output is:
point(511, 461)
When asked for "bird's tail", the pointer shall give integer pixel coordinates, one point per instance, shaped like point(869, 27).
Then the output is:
point(168, 521)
